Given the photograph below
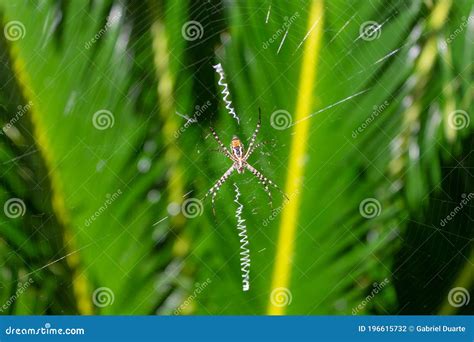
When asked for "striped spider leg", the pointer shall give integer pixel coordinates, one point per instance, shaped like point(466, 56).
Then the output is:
point(222, 147)
point(265, 182)
point(215, 188)
point(254, 136)
point(252, 146)
point(239, 157)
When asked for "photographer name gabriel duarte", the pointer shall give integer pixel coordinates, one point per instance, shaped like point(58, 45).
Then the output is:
point(440, 328)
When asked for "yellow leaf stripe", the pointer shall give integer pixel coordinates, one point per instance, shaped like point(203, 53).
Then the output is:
point(80, 283)
point(286, 239)
point(172, 153)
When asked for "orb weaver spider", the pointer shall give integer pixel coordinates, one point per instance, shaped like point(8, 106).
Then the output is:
point(239, 159)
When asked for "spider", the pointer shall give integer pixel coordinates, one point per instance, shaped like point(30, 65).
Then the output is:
point(239, 159)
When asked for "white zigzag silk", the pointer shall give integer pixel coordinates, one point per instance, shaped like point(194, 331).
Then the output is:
point(225, 92)
point(244, 251)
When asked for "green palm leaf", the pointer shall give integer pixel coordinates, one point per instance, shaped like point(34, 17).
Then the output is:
point(368, 124)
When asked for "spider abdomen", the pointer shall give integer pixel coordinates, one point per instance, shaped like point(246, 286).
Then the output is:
point(239, 166)
point(237, 147)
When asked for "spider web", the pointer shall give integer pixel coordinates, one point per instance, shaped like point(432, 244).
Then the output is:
point(271, 36)
point(338, 31)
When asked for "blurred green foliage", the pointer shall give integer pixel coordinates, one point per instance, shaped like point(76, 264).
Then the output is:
point(102, 157)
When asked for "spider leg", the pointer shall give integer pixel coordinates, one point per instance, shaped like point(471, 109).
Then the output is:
point(265, 181)
point(250, 151)
point(220, 150)
point(254, 135)
point(215, 188)
point(269, 193)
point(222, 146)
